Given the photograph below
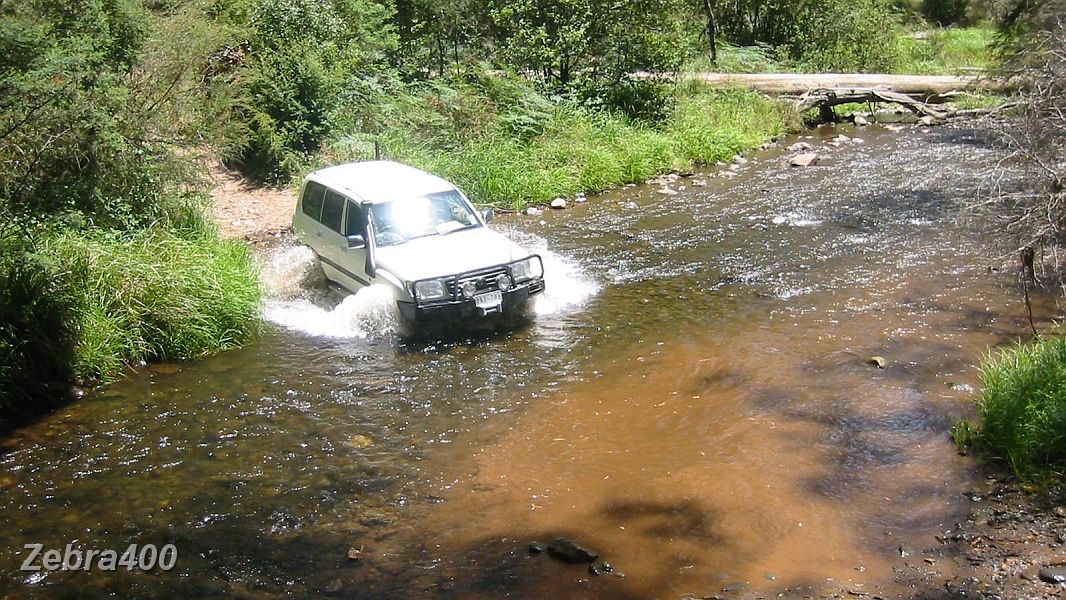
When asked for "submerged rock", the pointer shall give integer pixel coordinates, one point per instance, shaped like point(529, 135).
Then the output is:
point(800, 147)
point(567, 551)
point(536, 548)
point(1053, 574)
point(534, 211)
point(358, 441)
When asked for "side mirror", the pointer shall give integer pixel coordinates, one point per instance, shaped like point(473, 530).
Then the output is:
point(487, 213)
point(356, 242)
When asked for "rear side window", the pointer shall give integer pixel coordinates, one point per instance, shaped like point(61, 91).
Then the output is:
point(354, 223)
point(333, 210)
point(314, 193)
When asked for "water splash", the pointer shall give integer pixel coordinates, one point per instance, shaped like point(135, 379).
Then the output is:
point(566, 285)
point(299, 299)
point(370, 313)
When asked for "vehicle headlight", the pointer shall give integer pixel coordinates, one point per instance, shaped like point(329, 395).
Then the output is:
point(504, 282)
point(526, 269)
point(432, 289)
point(469, 289)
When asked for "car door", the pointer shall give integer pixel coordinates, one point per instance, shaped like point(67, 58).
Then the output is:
point(355, 259)
point(346, 266)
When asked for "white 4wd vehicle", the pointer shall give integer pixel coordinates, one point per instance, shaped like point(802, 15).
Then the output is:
point(381, 221)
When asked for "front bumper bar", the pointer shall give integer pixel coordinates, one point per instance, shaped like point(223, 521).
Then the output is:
point(452, 311)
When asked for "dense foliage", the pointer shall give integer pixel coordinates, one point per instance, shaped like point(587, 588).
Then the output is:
point(99, 115)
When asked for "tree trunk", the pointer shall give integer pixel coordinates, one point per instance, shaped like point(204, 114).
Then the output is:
point(712, 29)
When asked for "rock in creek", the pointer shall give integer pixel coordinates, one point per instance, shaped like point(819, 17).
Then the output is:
point(1054, 574)
point(569, 552)
point(534, 211)
point(878, 361)
point(800, 147)
point(536, 548)
point(860, 121)
point(358, 441)
point(804, 160)
point(603, 568)
point(558, 203)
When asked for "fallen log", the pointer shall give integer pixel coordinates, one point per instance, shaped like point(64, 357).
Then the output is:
point(825, 99)
point(798, 83)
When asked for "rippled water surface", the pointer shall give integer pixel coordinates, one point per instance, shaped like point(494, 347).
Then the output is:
point(694, 400)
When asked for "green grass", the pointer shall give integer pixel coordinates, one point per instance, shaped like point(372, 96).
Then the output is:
point(951, 51)
point(154, 295)
point(566, 148)
point(1022, 411)
point(736, 59)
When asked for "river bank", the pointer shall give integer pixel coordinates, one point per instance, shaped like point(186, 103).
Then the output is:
point(1012, 544)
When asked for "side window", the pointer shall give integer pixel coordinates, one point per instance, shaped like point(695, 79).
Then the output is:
point(333, 210)
point(354, 221)
point(312, 204)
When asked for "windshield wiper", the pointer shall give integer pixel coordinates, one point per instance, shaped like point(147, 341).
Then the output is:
point(464, 228)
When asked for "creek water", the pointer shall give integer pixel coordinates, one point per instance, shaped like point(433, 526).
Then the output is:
point(694, 399)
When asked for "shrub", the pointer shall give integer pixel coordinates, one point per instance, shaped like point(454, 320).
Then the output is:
point(1022, 411)
point(852, 36)
point(819, 35)
point(36, 332)
point(945, 12)
point(305, 54)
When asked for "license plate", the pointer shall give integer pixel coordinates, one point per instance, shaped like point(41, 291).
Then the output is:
point(488, 299)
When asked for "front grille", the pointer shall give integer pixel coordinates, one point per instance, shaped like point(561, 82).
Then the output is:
point(484, 280)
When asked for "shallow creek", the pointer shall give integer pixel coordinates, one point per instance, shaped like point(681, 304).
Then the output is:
point(695, 400)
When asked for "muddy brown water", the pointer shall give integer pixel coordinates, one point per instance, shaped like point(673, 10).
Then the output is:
point(696, 403)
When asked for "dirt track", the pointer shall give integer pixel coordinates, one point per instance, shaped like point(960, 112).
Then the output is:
point(245, 210)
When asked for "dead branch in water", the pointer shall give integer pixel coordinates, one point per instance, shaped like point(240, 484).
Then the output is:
point(826, 98)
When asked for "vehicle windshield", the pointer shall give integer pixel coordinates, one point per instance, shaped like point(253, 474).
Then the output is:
point(398, 221)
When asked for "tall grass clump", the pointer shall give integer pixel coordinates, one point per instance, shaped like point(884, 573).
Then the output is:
point(154, 294)
point(1022, 412)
